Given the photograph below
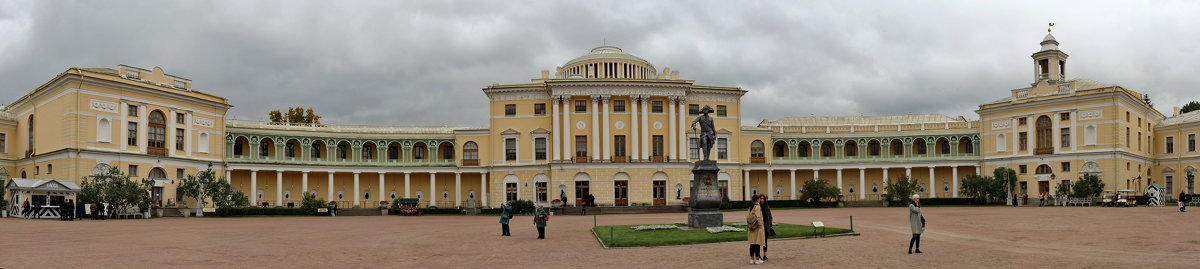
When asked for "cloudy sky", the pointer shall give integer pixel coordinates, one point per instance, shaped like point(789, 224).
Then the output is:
point(424, 62)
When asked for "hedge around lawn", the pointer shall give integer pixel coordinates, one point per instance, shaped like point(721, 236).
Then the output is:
point(250, 211)
point(780, 203)
point(943, 201)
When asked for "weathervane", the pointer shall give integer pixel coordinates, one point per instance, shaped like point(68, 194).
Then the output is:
point(1048, 28)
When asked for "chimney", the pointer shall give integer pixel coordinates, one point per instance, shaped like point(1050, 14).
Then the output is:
point(1176, 112)
point(545, 74)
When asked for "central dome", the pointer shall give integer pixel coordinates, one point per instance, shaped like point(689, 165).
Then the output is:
point(608, 62)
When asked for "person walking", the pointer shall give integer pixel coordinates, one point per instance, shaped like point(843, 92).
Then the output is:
point(754, 231)
point(37, 210)
point(25, 209)
point(1182, 202)
point(917, 221)
point(768, 223)
point(583, 209)
point(505, 216)
point(539, 219)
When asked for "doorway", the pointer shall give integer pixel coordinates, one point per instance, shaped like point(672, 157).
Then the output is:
point(660, 192)
point(1043, 187)
point(582, 189)
point(621, 193)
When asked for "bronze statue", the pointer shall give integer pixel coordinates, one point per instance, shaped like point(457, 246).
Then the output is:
point(708, 135)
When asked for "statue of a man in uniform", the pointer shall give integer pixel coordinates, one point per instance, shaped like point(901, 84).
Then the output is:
point(708, 135)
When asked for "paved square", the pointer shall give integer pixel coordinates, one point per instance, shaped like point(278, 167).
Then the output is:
point(957, 237)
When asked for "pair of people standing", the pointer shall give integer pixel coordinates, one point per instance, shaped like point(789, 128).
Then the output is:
point(540, 217)
point(759, 226)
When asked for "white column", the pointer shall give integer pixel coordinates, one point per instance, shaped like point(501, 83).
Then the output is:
point(484, 189)
point(885, 179)
point(330, 187)
point(1055, 141)
point(279, 188)
point(635, 154)
point(932, 186)
point(770, 184)
point(169, 140)
point(793, 189)
point(407, 183)
point(142, 125)
point(1030, 135)
point(839, 181)
point(253, 187)
point(1074, 134)
point(954, 181)
point(908, 173)
point(1016, 138)
point(304, 184)
point(433, 188)
point(862, 183)
point(605, 134)
point(380, 193)
point(568, 149)
point(556, 154)
point(458, 189)
point(228, 175)
point(124, 126)
point(595, 139)
point(357, 193)
point(683, 139)
point(816, 174)
point(187, 134)
point(671, 128)
point(746, 184)
point(645, 126)
point(978, 170)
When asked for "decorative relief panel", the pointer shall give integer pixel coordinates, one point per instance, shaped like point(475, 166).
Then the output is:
point(105, 106)
point(620, 125)
point(580, 125)
point(658, 125)
point(712, 97)
point(1001, 124)
point(520, 95)
point(202, 121)
point(1091, 114)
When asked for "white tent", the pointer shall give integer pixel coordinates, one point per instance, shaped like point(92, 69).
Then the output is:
point(51, 193)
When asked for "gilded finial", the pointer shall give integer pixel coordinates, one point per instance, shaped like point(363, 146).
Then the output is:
point(1048, 28)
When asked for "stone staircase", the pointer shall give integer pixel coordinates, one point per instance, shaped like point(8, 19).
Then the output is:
point(612, 210)
point(171, 213)
point(358, 212)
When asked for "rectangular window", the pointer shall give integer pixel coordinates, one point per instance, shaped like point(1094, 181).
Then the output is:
point(1066, 166)
point(1191, 142)
point(694, 148)
point(510, 149)
point(657, 146)
point(1127, 144)
point(133, 170)
point(133, 110)
point(316, 151)
point(179, 173)
point(393, 152)
point(368, 152)
point(581, 106)
point(656, 106)
point(1065, 116)
point(1023, 140)
point(1170, 144)
point(1127, 116)
point(874, 148)
point(180, 84)
point(693, 109)
point(133, 132)
point(179, 118)
point(510, 191)
point(539, 109)
point(510, 110)
point(179, 138)
point(1066, 137)
point(619, 146)
point(618, 105)
point(341, 152)
point(3, 143)
point(1022, 121)
point(1140, 141)
point(539, 149)
point(289, 150)
point(1023, 169)
point(722, 111)
point(541, 191)
point(581, 146)
point(722, 148)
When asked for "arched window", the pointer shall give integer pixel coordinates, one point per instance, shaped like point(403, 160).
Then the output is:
point(447, 150)
point(802, 149)
point(850, 149)
point(1089, 135)
point(827, 149)
point(239, 146)
point(780, 149)
point(368, 151)
point(873, 147)
point(315, 151)
point(1045, 136)
point(757, 152)
point(897, 147)
point(943, 146)
point(393, 151)
point(265, 147)
point(919, 146)
point(104, 131)
point(157, 134)
point(1044, 170)
point(203, 147)
point(291, 149)
point(965, 145)
point(419, 151)
point(343, 150)
point(470, 153)
point(1001, 143)
point(158, 173)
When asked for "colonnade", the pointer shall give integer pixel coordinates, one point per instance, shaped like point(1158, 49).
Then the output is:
point(358, 195)
point(841, 180)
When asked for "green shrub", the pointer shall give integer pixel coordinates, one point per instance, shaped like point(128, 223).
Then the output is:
point(1088, 186)
point(816, 191)
point(522, 207)
point(251, 211)
point(901, 189)
point(311, 203)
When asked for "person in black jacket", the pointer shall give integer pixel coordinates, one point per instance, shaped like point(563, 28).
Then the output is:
point(1183, 202)
point(768, 223)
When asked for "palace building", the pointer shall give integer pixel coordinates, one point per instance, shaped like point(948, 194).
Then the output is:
point(606, 123)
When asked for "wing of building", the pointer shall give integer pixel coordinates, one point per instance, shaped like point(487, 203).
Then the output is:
point(607, 123)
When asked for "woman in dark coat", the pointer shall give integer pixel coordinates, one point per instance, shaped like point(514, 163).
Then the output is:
point(539, 219)
point(505, 216)
point(767, 223)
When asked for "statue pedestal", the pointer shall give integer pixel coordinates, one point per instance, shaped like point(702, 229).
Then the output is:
point(705, 201)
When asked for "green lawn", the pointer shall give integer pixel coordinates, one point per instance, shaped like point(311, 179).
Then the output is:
point(624, 236)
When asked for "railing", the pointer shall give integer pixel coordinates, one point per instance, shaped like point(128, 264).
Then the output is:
point(881, 157)
point(1049, 150)
point(5, 115)
point(340, 127)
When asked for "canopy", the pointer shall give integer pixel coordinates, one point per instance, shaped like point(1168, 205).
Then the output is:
point(42, 185)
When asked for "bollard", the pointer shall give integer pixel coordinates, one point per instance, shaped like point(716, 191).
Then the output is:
point(593, 221)
point(851, 223)
point(610, 236)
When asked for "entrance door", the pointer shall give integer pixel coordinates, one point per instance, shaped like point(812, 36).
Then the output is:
point(157, 194)
point(1170, 186)
point(1043, 187)
point(660, 192)
point(621, 192)
point(582, 189)
point(1024, 188)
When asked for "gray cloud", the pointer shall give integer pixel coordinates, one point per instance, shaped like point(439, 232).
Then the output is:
point(424, 62)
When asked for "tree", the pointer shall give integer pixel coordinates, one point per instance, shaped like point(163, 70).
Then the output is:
point(1062, 190)
point(901, 189)
point(117, 189)
point(196, 187)
point(295, 115)
point(3, 201)
point(1007, 177)
point(311, 203)
point(983, 187)
point(817, 190)
point(1088, 186)
point(1189, 107)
